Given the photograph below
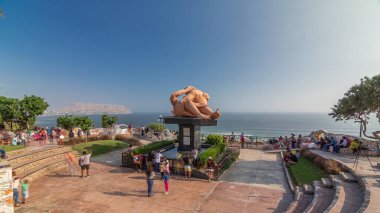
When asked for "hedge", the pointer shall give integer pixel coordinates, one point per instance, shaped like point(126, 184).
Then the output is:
point(213, 152)
point(214, 139)
point(153, 146)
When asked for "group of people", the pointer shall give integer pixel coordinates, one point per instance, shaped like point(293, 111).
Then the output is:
point(286, 142)
point(83, 161)
point(40, 136)
point(145, 132)
point(344, 142)
point(243, 138)
point(17, 184)
point(291, 158)
point(156, 163)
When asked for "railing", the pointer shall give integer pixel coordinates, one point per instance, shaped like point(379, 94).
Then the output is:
point(222, 163)
point(236, 138)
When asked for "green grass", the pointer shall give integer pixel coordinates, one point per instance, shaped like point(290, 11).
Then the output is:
point(100, 147)
point(11, 148)
point(305, 172)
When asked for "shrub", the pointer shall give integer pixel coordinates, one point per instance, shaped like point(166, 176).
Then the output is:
point(157, 127)
point(153, 146)
point(214, 139)
point(319, 161)
point(213, 152)
point(309, 155)
point(329, 166)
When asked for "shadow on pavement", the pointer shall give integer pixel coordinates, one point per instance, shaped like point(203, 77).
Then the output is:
point(116, 193)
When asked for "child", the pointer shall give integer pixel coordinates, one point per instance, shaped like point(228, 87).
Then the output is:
point(162, 169)
point(25, 191)
point(166, 182)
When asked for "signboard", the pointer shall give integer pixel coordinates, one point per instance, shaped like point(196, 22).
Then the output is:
point(6, 189)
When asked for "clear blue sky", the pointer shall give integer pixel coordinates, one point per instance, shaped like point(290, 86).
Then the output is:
point(250, 56)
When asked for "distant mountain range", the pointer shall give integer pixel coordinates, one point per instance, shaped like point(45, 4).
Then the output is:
point(89, 108)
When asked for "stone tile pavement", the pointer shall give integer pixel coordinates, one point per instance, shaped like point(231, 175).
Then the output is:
point(254, 184)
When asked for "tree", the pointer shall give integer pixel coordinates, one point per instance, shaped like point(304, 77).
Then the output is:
point(68, 122)
point(85, 123)
point(108, 120)
point(30, 108)
point(9, 111)
point(358, 103)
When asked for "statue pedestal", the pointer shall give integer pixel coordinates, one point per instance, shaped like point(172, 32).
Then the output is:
point(189, 131)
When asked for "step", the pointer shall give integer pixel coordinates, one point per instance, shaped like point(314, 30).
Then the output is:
point(348, 177)
point(28, 150)
point(327, 183)
point(301, 202)
point(13, 153)
point(24, 166)
point(308, 189)
point(42, 170)
point(348, 197)
point(323, 198)
point(297, 194)
point(38, 154)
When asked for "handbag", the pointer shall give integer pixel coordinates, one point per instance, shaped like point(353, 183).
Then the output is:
point(80, 161)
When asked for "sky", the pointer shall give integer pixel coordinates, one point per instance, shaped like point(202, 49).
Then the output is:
point(250, 56)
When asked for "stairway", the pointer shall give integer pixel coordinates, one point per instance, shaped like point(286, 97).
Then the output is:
point(34, 162)
point(339, 193)
point(348, 196)
point(301, 201)
point(323, 197)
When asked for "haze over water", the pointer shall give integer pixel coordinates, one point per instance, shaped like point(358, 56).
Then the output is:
point(257, 124)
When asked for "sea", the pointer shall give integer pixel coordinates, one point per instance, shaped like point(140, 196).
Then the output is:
point(262, 125)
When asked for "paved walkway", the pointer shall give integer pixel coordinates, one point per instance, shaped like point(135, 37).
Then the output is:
point(365, 170)
point(254, 184)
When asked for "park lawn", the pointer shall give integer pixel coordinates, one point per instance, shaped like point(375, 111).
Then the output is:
point(8, 148)
point(100, 147)
point(305, 172)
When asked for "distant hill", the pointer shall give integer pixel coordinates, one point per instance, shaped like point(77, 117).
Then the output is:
point(89, 108)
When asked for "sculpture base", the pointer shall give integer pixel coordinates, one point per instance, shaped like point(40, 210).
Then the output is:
point(189, 136)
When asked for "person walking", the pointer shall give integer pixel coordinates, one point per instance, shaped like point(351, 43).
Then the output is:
point(166, 182)
point(70, 160)
point(16, 185)
point(84, 162)
point(150, 180)
point(137, 158)
point(210, 168)
point(60, 141)
point(150, 159)
point(242, 138)
point(157, 160)
point(25, 191)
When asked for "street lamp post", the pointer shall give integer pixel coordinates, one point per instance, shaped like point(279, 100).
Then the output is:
point(160, 119)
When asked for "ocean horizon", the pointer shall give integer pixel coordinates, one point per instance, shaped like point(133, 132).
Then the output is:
point(261, 124)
